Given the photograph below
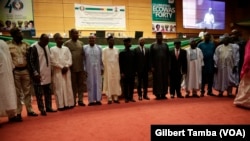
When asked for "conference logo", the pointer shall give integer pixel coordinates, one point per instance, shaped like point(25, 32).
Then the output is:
point(17, 5)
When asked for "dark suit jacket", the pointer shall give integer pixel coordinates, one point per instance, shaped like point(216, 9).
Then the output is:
point(127, 63)
point(141, 60)
point(180, 65)
point(34, 66)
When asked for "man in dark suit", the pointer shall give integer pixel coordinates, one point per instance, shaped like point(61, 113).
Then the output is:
point(159, 62)
point(178, 67)
point(127, 70)
point(142, 68)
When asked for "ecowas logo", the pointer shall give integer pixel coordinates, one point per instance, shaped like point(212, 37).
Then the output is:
point(16, 5)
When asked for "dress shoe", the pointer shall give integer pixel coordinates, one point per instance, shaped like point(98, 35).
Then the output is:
point(61, 109)
point(19, 117)
point(172, 96)
point(210, 94)
point(132, 100)
point(66, 107)
point(32, 114)
point(50, 110)
point(146, 97)
point(109, 102)
point(126, 100)
point(220, 95)
point(196, 96)
point(157, 98)
point(187, 96)
point(98, 103)
point(43, 113)
point(140, 98)
point(180, 96)
point(231, 95)
point(15, 119)
point(117, 101)
point(91, 104)
point(80, 103)
point(202, 95)
point(164, 97)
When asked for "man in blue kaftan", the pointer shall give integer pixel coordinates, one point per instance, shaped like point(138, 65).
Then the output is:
point(94, 68)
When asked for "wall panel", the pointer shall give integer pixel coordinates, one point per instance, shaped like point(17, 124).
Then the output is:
point(68, 10)
point(48, 9)
point(120, 2)
point(68, 23)
point(49, 23)
point(139, 13)
point(139, 3)
point(72, 1)
point(58, 15)
point(97, 2)
point(47, 1)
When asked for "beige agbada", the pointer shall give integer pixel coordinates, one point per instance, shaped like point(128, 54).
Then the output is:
point(8, 99)
point(61, 57)
point(193, 77)
point(111, 83)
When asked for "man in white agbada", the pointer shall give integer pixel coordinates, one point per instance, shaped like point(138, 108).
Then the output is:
point(110, 59)
point(61, 60)
point(194, 69)
point(8, 98)
point(94, 68)
point(235, 76)
point(225, 61)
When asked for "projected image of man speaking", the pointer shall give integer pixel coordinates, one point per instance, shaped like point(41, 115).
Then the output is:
point(200, 14)
point(209, 19)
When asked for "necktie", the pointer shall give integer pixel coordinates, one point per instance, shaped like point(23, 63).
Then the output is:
point(46, 56)
point(177, 54)
point(143, 51)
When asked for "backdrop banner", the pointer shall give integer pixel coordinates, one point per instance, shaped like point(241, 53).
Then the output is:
point(18, 12)
point(91, 17)
point(163, 16)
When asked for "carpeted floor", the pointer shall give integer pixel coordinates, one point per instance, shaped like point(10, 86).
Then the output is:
point(122, 122)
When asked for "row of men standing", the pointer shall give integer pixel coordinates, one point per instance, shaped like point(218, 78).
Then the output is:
point(35, 62)
point(69, 63)
point(90, 62)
